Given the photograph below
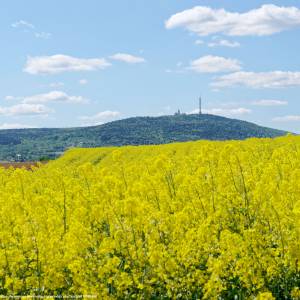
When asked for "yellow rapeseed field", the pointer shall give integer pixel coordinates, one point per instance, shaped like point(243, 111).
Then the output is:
point(195, 220)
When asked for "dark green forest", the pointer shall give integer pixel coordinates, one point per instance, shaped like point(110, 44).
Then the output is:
point(48, 143)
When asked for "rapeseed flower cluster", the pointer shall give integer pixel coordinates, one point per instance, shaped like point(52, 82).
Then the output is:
point(195, 220)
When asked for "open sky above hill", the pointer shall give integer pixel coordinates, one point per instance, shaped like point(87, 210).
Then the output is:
point(76, 63)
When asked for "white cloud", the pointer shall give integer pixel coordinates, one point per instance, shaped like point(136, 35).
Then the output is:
point(274, 79)
point(22, 23)
point(25, 109)
point(265, 102)
point(99, 118)
point(224, 43)
point(54, 96)
point(11, 98)
point(214, 64)
point(128, 58)
point(28, 27)
point(229, 112)
point(15, 126)
point(83, 81)
point(266, 20)
point(43, 35)
point(63, 63)
point(56, 84)
point(175, 71)
point(199, 42)
point(290, 118)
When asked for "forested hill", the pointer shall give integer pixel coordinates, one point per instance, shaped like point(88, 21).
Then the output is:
point(33, 144)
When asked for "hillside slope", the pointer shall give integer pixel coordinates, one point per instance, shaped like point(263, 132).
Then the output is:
point(32, 144)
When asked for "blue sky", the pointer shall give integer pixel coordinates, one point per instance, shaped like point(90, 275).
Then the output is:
point(76, 63)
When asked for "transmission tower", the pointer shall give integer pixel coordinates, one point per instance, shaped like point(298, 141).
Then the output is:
point(200, 105)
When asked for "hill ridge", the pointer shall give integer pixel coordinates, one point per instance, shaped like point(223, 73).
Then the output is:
point(34, 143)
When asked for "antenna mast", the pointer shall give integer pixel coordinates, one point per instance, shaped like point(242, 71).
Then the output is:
point(200, 105)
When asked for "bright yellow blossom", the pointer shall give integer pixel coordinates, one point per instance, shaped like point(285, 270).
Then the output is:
point(195, 220)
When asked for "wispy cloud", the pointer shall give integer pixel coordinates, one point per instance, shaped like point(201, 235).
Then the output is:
point(29, 27)
point(214, 64)
point(54, 96)
point(22, 24)
point(271, 102)
point(43, 35)
point(99, 118)
point(50, 97)
point(15, 126)
point(12, 98)
point(83, 81)
point(56, 84)
point(266, 20)
point(274, 79)
point(224, 43)
point(289, 118)
point(24, 109)
point(179, 68)
point(63, 63)
point(128, 58)
point(199, 42)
